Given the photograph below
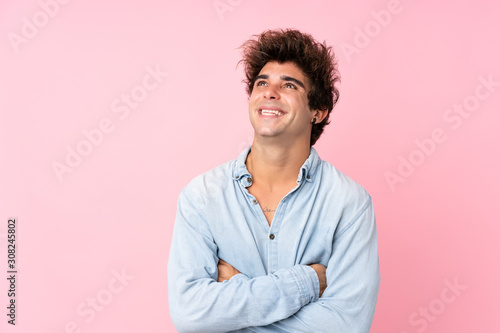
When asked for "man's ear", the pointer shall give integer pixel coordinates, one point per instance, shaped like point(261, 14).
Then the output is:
point(320, 115)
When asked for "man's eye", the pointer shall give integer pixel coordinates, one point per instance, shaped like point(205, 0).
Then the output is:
point(290, 85)
point(261, 83)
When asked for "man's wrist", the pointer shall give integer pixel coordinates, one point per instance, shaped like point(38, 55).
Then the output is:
point(307, 282)
point(316, 282)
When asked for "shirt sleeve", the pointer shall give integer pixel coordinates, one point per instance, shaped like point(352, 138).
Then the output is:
point(353, 280)
point(198, 303)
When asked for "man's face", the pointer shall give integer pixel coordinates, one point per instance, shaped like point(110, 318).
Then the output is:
point(278, 104)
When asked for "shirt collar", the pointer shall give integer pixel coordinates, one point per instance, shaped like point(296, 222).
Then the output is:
point(307, 171)
point(240, 169)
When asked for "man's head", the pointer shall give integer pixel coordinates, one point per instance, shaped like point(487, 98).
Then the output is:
point(315, 60)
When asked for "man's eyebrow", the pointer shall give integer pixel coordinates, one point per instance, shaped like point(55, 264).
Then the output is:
point(282, 77)
point(292, 79)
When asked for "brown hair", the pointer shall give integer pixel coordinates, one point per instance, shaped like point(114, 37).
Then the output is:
point(315, 59)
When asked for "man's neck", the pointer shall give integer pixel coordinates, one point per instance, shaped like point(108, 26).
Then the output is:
point(276, 165)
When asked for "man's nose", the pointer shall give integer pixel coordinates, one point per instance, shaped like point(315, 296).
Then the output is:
point(272, 92)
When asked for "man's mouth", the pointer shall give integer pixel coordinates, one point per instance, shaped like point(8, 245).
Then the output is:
point(270, 112)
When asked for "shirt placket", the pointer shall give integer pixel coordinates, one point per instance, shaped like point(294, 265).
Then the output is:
point(273, 230)
point(273, 237)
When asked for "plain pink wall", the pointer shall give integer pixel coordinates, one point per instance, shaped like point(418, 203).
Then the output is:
point(417, 125)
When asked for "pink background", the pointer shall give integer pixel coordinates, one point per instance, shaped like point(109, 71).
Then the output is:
point(114, 213)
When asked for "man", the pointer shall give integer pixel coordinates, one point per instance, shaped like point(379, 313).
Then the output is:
point(277, 240)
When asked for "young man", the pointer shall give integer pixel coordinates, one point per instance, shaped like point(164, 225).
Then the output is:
point(277, 240)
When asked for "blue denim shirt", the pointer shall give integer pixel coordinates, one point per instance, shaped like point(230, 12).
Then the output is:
point(327, 219)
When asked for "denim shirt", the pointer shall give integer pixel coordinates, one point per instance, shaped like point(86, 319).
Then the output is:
point(327, 219)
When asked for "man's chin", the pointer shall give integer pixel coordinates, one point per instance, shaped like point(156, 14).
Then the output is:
point(267, 133)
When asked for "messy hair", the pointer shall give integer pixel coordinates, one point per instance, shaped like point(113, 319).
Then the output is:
point(316, 60)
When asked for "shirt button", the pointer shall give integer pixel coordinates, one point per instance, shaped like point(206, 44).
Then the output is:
point(271, 236)
point(237, 177)
point(254, 201)
point(308, 177)
point(249, 179)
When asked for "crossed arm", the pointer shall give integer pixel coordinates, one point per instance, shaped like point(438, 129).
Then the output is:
point(226, 272)
point(209, 295)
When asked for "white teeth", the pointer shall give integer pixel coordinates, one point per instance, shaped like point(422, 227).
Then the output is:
point(271, 112)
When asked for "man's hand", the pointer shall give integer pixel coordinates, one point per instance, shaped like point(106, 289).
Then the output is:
point(321, 271)
point(226, 271)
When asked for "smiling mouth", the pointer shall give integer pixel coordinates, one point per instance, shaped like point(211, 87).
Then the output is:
point(268, 112)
